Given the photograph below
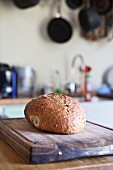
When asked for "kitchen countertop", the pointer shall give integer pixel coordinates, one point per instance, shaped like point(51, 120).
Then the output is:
point(15, 101)
point(11, 101)
point(10, 160)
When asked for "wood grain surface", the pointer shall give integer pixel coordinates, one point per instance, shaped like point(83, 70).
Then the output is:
point(43, 147)
point(10, 160)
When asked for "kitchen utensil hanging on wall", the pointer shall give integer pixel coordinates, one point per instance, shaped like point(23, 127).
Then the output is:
point(88, 17)
point(103, 7)
point(23, 4)
point(59, 29)
point(111, 23)
point(74, 4)
point(91, 25)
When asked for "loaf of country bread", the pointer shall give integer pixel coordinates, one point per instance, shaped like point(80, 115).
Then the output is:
point(56, 113)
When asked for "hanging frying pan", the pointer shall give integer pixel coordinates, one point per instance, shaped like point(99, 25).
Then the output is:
point(89, 19)
point(74, 4)
point(25, 3)
point(59, 29)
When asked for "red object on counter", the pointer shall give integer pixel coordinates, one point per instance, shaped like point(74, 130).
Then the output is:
point(86, 69)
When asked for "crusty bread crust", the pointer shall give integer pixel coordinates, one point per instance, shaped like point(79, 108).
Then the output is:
point(56, 113)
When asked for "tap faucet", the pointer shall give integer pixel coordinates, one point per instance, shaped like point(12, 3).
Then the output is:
point(78, 56)
point(78, 74)
point(75, 86)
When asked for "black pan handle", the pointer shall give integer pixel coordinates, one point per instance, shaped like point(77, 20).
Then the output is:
point(58, 14)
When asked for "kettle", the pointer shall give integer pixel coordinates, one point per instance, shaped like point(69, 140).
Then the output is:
point(26, 80)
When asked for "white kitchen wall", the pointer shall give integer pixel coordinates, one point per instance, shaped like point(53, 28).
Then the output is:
point(24, 41)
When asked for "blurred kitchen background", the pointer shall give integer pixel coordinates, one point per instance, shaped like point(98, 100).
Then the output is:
point(25, 43)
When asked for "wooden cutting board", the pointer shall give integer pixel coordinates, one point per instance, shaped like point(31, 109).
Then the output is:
point(43, 147)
